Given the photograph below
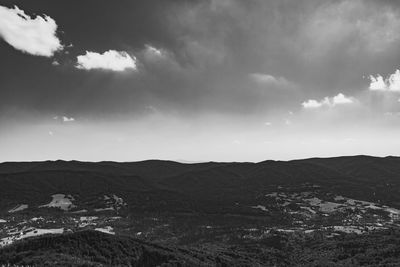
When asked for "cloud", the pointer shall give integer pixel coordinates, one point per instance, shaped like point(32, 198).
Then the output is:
point(339, 99)
point(355, 24)
point(109, 60)
point(66, 119)
point(391, 83)
point(377, 83)
point(151, 50)
point(151, 54)
point(263, 78)
point(33, 36)
point(266, 79)
point(311, 103)
point(162, 63)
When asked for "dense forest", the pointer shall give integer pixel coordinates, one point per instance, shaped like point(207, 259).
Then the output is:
point(91, 248)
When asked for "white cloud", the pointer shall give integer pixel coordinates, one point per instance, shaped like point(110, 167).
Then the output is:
point(311, 103)
point(33, 36)
point(263, 78)
point(153, 51)
point(391, 83)
point(394, 81)
point(377, 83)
point(339, 99)
point(270, 81)
point(160, 60)
point(63, 118)
point(154, 55)
point(66, 119)
point(109, 60)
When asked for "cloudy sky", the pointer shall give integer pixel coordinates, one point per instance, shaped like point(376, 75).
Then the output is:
point(197, 80)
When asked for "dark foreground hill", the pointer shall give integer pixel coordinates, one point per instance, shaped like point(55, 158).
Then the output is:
point(91, 248)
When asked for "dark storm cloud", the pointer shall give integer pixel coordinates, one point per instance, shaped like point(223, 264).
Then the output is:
point(214, 56)
point(202, 79)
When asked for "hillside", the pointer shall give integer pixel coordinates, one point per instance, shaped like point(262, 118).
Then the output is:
point(91, 248)
point(212, 206)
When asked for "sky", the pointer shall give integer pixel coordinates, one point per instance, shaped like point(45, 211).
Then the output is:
point(198, 80)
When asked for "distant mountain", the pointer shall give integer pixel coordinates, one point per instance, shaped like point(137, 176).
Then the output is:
point(187, 186)
point(149, 169)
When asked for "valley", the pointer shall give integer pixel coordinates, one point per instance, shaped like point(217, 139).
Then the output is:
point(208, 206)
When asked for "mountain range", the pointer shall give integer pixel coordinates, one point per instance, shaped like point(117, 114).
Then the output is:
point(209, 207)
